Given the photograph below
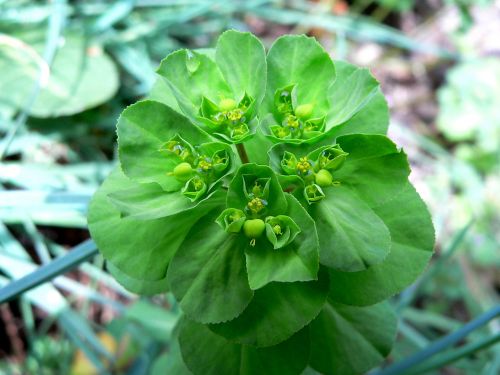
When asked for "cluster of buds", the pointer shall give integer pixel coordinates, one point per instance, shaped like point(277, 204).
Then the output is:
point(253, 220)
point(315, 169)
point(197, 166)
point(296, 121)
point(228, 119)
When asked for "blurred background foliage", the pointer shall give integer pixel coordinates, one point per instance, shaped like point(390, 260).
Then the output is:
point(68, 68)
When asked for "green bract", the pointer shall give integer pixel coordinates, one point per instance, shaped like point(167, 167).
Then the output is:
point(263, 193)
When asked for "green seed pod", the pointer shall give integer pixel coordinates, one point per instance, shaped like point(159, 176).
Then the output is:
point(227, 104)
point(303, 111)
point(254, 228)
point(323, 178)
point(183, 172)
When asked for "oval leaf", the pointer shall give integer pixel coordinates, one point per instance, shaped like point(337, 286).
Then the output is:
point(206, 353)
point(351, 236)
point(351, 340)
point(207, 274)
point(276, 312)
point(412, 236)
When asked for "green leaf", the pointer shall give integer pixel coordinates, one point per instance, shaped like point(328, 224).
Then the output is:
point(206, 353)
point(207, 274)
point(81, 75)
point(297, 261)
point(372, 118)
point(276, 312)
point(140, 249)
point(351, 340)
point(351, 236)
point(374, 168)
point(138, 286)
point(242, 60)
point(150, 201)
point(191, 76)
point(412, 236)
point(301, 61)
point(351, 91)
point(241, 189)
point(143, 128)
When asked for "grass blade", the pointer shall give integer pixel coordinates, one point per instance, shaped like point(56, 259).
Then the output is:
point(440, 344)
point(77, 255)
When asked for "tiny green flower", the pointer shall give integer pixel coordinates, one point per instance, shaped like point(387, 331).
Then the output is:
point(332, 158)
point(313, 193)
point(289, 163)
point(231, 220)
point(256, 205)
point(304, 167)
point(281, 230)
point(195, 188)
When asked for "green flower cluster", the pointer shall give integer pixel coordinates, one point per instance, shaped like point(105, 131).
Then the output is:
point(260, 189)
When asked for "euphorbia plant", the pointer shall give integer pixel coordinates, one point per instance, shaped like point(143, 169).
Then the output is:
point(262, 192)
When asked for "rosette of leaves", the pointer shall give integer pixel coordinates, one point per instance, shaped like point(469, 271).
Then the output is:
point(170, 173)
point(276, 265)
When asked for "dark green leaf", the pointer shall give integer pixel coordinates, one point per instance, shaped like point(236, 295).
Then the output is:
point(351, 340)
point(412, 236)
point(351, 236)
point(276, 312)
point(207, 353)
point(207, 274)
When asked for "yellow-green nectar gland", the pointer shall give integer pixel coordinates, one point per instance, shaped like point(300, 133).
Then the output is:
point(277, 230)
point(255, 205)
point(257, 190)
point(303, 166)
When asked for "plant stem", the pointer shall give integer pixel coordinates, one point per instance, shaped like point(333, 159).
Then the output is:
point(242, 153)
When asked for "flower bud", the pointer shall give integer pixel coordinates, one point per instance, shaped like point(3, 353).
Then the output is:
point(323, 178)
point(304, 111)
point(183, 172)
point(254, 228)
point(227, 104)
point(281, 230)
